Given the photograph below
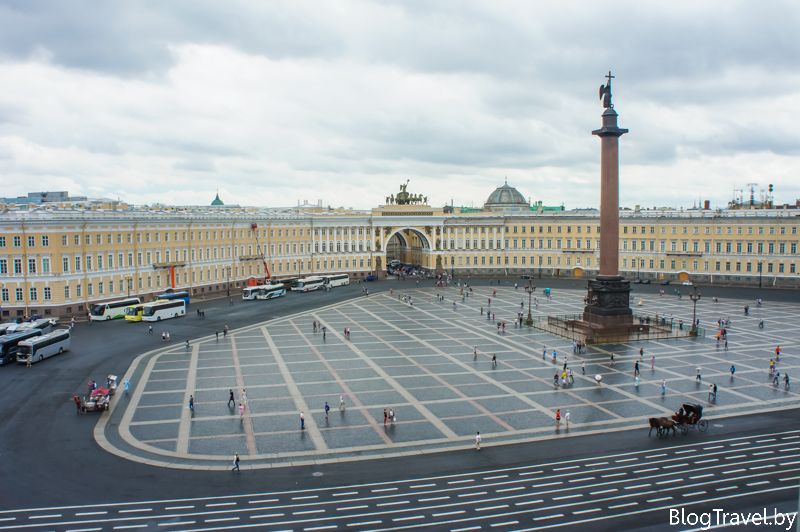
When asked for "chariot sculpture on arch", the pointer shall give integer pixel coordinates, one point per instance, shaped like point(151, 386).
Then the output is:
point(405, 198)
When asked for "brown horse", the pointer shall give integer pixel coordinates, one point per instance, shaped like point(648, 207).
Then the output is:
point(662, 425)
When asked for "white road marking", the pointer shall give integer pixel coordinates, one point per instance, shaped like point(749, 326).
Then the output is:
point(187, 507)
point(495, 477)
point(623, 505)
point(464, 481)
point(487, 508)
point(566, 468)
point(345, 493)
point(610, 490)
point(48, 516)
point(266, 516)
point(382, 490)
point(506, 490)
point(636, 486)
point(551, 516)
point(695, 493)
point(454, 512)
point(216, 504)
point(358, 507)
point(659, 499)
point(547, 484)
point(93, 513)
point(758, 483)
point(564, 497)
point(473, 494)
point(429, 499)
point(306, 512)
point(365, 523)
point(505, 523)
point(587, 511)
point(727, 488)
point(135, 510)
point(305, 497)
point(175, 523)
point(418, 486)
point(326, 527)
point(392, 503)
point(126, 527)
point(220, 519)
point(409, 518)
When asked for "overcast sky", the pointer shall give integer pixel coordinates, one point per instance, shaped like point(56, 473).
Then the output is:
point(275, 102)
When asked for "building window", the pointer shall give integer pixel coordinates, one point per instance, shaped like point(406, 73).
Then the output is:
point(2, 241)
point(45, 241)
point(66, 292)
point(4, 294)
point(78, 290)
point(18, 294)
point(31, 265)
point(65, 264)
point(17, 266)
point(45, 264)
point(47, 294)
point(77, 264)
point(33, 294)
point(17, 242)
point(3, 266)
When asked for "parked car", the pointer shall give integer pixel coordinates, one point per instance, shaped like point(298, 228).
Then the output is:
point(645, 281)
point(665, 282)
point(687, 283)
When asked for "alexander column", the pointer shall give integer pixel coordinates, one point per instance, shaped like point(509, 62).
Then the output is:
point(608, 299)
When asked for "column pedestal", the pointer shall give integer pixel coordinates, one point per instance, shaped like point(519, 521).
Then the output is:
point(608, 302)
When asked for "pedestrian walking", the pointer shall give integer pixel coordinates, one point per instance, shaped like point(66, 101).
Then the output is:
point(168, 338)
point(341, 403)
point(613, 363)
point(163, 336)
point(235, 463)
point(726, 342)
point(186, 345)
point(77, 401)
point(231, 400)
point(391, 415)
point(558, 417)
point(191, 403)
point(478, 441)
point(641, 353)
point(663, 386)
point(698, 377)
point(327, 409)
point(636, 369)
point(385, 416)
point(566, 418)
point(583, 367)
point(494, 360)
point(302, 421)
point(324, 333)
point(127, 384)
point(225, 331)
point(72, 323)
point(544, 353)
point(150, 330)
point(241, 410)
point(216, 334)
point(653, 363)
point(244, 396)
point(475, 353)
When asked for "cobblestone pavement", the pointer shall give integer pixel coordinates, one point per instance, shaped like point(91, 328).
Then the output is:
point(417, 359)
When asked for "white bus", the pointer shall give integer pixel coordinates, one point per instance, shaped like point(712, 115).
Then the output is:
point(341, 279)
point(41, 347)
point(271, 291)
point(162, 310)
point(112, 310)
point(249, 293)
point(307, 284)
point(42, 324)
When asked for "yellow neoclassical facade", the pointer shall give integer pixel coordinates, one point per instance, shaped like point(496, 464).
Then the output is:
point(58, 260)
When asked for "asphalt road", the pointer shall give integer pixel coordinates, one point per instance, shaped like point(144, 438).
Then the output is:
point(48, 457)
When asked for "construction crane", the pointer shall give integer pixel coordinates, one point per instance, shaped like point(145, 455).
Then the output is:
point(254, 229)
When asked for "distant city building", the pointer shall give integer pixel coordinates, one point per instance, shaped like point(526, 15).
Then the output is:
point(59, 258)
point(59, 196)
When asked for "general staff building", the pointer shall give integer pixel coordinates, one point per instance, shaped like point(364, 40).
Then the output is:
point(60, 258)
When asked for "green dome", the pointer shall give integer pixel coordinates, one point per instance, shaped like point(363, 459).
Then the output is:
point(217, 202)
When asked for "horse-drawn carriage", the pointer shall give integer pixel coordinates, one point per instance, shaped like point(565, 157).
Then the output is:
point(690, 416)
point(687, 417)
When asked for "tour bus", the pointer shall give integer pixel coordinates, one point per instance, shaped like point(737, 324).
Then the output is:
point(249, 293)
point(271, 291)
point(44, 325)
point(134, 312)
point(341, 279)
point(286, 282)
point(308, 284)
point(112, 310)
point(9, 344)
point(170, 295)
point(41, 347)
point(162, 310)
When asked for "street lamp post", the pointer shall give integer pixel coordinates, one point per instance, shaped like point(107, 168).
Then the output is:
point(228, 283)
point(529, 289)
point(695, 297)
